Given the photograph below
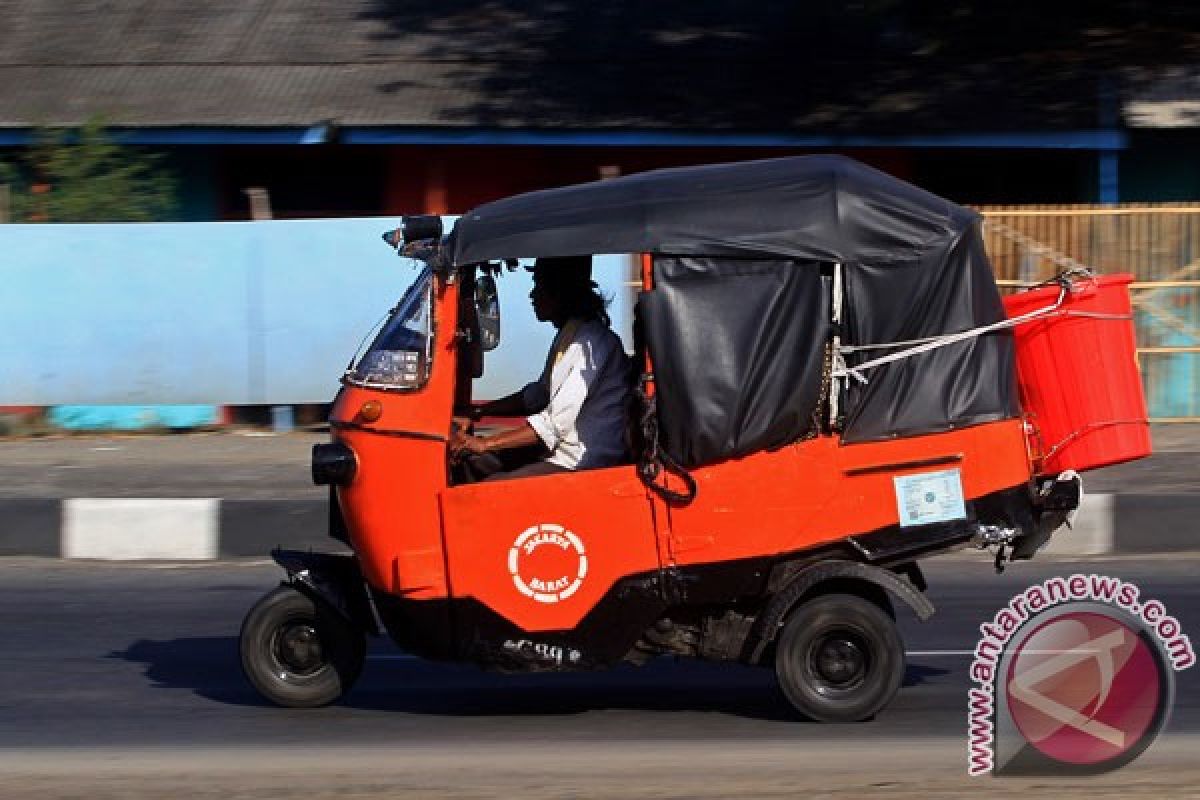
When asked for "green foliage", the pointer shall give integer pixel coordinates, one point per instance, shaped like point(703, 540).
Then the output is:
point(84, 176)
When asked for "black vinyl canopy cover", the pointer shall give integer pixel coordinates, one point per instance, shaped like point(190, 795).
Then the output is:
point(739, 250)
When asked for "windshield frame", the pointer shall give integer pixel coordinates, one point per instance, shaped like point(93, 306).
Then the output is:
point(422, 291)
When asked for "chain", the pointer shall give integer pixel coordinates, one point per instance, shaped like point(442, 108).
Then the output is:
point(818, 414)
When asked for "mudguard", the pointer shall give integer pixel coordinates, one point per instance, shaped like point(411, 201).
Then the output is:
point(803, 582)
point(335, 579)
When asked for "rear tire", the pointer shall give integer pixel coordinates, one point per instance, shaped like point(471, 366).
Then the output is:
point(839, 658)
point(298, 652)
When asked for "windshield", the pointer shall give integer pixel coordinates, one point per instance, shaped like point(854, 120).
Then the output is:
point(400, 356)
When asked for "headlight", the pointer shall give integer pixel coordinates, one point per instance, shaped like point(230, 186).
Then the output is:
point(333, 464)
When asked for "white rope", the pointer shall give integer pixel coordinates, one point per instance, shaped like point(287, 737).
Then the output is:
point(856, 348)
point(840, 369)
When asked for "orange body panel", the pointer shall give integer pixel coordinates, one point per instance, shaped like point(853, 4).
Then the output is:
point(510, 543)
point(392, 514)
point(820, 491)
point(391, 507)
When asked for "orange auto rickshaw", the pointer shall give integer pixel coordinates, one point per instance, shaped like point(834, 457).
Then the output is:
point(829, 390)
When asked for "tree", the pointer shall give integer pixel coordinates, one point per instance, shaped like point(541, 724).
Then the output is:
point(84, 176)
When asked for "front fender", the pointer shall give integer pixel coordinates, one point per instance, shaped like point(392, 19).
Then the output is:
point(334, 579)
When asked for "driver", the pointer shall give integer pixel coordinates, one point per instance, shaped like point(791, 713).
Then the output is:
point(575, 413)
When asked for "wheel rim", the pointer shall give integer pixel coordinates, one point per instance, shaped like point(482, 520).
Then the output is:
point(296, 650)
point(838, 661)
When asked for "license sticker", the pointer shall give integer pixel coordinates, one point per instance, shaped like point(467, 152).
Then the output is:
point(929, 497)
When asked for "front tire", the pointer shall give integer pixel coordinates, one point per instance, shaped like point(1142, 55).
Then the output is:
point(298, 652)
point(839, 658)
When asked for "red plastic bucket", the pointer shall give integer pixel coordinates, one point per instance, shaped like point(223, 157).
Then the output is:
point(1078, 375)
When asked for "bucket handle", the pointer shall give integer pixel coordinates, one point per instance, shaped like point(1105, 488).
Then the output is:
point(1088, 429)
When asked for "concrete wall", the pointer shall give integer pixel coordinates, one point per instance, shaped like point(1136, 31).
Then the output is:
point(219, 313)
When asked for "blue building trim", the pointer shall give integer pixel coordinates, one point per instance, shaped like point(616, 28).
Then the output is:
point(16, 137)
point(1109, 176)
point(1099, 139)
point(1058, 140)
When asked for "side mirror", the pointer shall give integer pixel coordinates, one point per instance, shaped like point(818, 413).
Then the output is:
point(487, 308)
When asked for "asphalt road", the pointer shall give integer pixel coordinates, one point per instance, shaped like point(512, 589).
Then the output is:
point(242, 464)
point(258, 465)
point(122, 680)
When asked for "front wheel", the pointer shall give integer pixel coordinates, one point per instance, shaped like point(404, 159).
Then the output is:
point(298, 652)
point(839, 658)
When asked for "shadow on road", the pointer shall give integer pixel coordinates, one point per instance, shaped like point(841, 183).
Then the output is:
point(209, 665)
point(391, 681)
point(916, 674)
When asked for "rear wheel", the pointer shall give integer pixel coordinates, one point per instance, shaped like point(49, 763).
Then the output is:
point(299, 652)
point(839, 658)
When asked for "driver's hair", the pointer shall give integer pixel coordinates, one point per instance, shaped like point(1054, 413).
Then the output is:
point(569, 278)
point(583, 301)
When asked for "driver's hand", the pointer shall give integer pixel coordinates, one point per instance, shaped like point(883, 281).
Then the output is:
point(462, 444)
point(457, 437)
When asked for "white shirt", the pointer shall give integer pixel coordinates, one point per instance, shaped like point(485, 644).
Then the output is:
point(584, 423)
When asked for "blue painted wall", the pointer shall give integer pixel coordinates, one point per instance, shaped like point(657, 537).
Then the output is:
point(220, 313)
point(132, 418)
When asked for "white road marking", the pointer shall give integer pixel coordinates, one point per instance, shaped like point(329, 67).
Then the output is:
point(935, 653)
point(910, 653)
point(198, 565)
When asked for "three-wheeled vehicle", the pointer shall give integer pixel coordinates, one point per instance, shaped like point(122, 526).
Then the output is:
point(828, 390)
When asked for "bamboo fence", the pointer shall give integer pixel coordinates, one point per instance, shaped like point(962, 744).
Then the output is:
point(1158, 243)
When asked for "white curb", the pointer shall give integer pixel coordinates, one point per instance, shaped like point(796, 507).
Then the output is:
point(137, 528)
point(1093, 533)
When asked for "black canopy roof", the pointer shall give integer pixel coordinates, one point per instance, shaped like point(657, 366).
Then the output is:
point(813, 208)
point(739, 322)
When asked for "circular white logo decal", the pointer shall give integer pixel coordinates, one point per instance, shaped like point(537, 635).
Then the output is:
point(547, 563)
